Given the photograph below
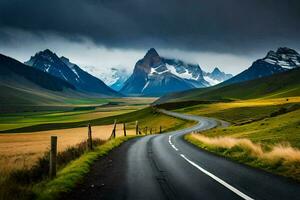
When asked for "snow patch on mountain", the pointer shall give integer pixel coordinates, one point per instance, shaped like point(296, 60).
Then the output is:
point(211, 81)
point(184, 74)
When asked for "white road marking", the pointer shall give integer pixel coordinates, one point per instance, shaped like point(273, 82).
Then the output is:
point(233, 189)
point(172, 145)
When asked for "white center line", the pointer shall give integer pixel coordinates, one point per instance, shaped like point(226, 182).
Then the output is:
point(233, 189)
point(172, 145)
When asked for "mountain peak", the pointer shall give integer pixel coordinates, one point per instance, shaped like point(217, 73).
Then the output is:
point(151, 53)
point(286, 50)
point(284, 57)
point(216, 70)
point(65, 59)
point(46, 51)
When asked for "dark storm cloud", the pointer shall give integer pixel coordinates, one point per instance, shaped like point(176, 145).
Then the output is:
point(213, 25)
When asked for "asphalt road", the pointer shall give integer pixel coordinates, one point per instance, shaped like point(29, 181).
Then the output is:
point(167, 167)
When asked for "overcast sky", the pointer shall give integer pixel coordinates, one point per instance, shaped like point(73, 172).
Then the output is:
point(102, 34)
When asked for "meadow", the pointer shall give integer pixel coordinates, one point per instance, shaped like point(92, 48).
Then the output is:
point(76, 111)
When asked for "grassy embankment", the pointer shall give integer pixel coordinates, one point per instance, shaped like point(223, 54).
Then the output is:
point(264, 133)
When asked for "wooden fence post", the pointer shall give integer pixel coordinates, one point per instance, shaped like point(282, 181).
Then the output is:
point(124, 128)
point(53, 156)
point(90, 139)
point(113, 134)
point(136, 127)
point(160, 129)
point(150, 131)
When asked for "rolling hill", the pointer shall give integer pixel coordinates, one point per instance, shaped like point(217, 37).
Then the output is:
point(284, 84)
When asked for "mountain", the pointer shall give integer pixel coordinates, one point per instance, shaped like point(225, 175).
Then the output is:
point(119, 76)
point(62, 68)
point(154, 76)
point(23, 85)
point(286, 84)
point(113, 77)
point(274, 62)
point(216, 76)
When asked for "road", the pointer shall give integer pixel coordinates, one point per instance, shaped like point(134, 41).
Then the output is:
point(167, 167)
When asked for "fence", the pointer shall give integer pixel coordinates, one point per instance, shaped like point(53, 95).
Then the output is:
point(53, 142)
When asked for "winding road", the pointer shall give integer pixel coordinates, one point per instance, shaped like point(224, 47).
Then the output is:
point(167, 167)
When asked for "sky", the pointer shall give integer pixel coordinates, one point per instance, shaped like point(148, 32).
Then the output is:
point(101, 34)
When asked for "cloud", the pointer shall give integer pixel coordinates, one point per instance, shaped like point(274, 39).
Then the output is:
point(98, 59)
point(231, 26)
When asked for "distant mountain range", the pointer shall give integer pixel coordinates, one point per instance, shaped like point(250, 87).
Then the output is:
point(62, 68)
point(279, 85)
point(216, 76)
point(274, 75)
point(274, 62)
point(155, 76)
point(47, 78)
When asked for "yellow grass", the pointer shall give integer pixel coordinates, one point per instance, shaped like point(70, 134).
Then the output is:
point(23, 149)
point(283, 152)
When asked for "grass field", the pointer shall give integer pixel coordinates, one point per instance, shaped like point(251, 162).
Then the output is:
point(80, 110)
point(239, 111)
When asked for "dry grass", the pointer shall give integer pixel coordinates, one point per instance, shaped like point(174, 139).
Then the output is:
point(281, 159)
point(283, 152)
point(18, 151)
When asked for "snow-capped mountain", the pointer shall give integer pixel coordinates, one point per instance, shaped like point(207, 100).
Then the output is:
point(62, 68)
point(216, 76)
point(274, 62)
point(284, 57)
point(154, 76)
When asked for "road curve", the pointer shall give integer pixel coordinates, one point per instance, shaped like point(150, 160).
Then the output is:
point(167, 167)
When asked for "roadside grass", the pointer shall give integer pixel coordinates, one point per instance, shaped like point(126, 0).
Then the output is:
point(280, 159)
point(284, 128)
point(18, 184)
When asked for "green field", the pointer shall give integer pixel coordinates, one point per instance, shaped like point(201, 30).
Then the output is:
point(79, 110)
